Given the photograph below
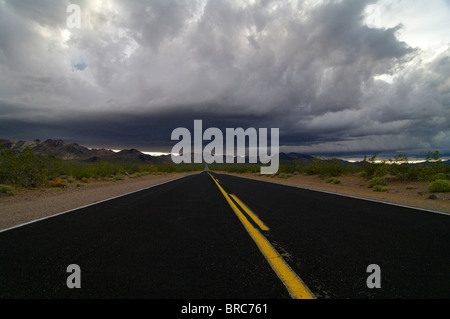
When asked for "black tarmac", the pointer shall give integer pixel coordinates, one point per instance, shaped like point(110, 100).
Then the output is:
point(182, 240)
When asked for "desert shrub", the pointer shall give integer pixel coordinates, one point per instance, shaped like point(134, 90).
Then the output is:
point(439, 186)
point(93, 170)
point(381, 181)
point(5, 189)
point(287, 168)
point(441, 176)
point(313, 168)
point(362, 174)
point(84, 180)
point(372, 168)
point(425, 173)
point(326, 167)
point(119, 177)
point(431, 168)
point(382, 169)
point(333, 167)
point(81, 173)
point(27, 168)
point(400, 167)
point(103, 169)
point(57, 183)
point(333, 180)
point(380, 188)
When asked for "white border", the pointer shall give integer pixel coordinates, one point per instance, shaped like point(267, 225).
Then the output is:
point(95, 203)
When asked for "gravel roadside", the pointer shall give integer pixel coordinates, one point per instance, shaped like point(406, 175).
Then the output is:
point(412, 194)
point(26, 206)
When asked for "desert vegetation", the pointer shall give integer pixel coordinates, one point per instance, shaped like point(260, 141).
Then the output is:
point(377, 173)
point(28, 169)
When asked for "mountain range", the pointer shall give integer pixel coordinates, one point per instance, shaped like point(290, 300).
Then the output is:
point(76, 152)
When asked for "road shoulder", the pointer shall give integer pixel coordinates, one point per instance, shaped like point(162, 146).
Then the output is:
point(29, 205)
point(411, 194)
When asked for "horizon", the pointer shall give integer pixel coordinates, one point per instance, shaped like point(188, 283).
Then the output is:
point(339, 79)
point(415, 158)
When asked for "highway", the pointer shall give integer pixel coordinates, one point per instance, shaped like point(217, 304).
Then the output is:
point(216, 236)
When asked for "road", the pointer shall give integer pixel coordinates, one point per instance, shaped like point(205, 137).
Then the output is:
point(185, 240)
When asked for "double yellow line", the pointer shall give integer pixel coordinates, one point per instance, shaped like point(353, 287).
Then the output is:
point(297, 289)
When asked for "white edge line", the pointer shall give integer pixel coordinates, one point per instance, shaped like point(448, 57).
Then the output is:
point(344, 195)
point(92, 204)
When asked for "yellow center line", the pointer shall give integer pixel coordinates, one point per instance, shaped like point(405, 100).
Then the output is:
point(297, 289)
point(250, 213)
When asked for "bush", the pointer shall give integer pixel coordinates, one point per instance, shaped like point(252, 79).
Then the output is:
point(119, 177)
point(441, 176)
point(372, 168)
point(380, 188)
point(429, 171)
point(381, 181)
point(439, 186)
point(333, 180)
point(5, 189)
point(57, 183)
point(399, 167)
point(27, 169)
point(362, 174)
point(326, 167)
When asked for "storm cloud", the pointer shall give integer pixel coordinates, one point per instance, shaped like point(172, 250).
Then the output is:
point(135, 70)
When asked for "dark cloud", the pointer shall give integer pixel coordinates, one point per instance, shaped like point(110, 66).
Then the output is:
point(144, 68)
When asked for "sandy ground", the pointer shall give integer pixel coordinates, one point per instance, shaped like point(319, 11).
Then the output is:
point(413, 194)
point(28, 205)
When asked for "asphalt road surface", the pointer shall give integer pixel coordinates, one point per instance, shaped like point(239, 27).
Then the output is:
point(184, 240)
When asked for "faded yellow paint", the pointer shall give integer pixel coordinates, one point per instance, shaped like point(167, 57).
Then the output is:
point(250, 213)
point(297, 289)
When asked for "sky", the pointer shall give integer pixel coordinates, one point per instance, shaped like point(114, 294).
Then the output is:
point(338, 78)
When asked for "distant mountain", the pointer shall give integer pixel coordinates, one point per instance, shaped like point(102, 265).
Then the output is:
point(133, 155)
point(74, 151)
point(71, 151)
point(295, 156)
point(283, 157)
